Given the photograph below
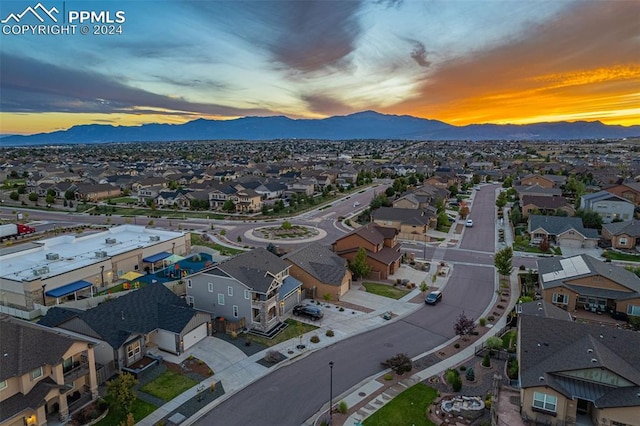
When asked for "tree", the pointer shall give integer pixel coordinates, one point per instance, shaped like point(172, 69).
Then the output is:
point(359, 265)
point(286, 225)
point(501, 201)
point(494, 343)
point(464, 212)
point(272, 248)
point(120, 394)
point(229, 206)
point(50, 199)
point(475, 179)
point(515, 215)
point(453, 189)
point(443, 220)
point(464, 326)
point(544, 245)
point(390, 192)
point(69, 195)
point(508, 181)
point(14, 196)
point(400, 363)
point(504, 261)
point(33, 197)
point(590, 218)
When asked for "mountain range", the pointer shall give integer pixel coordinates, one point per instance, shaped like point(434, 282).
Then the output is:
point(361, 125)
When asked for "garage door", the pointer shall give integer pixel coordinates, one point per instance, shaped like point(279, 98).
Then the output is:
point(570, 243)
point(195, 335)
point(165, 340)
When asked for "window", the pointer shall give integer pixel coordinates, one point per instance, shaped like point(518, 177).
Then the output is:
point(3, 384)
point(247, 294)
point(133, 350)
point(562, 299)
point(230, 291)
point(633, 310)
point(67, 364)
point(136, 267)
point(210, 287)
point(545, 402)
point(189, 283)
point(36, 373)
point(220, 299)
point(235, 311)
point(190, 300)
point(622, 241)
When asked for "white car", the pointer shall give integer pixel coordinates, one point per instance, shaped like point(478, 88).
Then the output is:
point(469, 223)
point(356, 204)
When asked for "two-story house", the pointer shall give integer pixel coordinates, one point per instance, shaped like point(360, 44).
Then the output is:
point(412, 224)
point(380, 244)
point(254, 287)
point(44, 373)
point(610, 206)
point(627, 190)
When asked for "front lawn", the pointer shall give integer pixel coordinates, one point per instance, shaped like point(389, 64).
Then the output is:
point(294, 329)
point(408, 408)
point(385, 290)
point(616, 255)
point(139, 408)
point(168, 385)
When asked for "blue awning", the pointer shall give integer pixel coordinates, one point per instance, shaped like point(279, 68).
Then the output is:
point(289, 285)
point(156, 257)
point(68, 289)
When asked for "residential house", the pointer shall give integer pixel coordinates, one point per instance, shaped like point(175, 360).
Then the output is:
point(254, 287)
point(149, 192)
point(321, 271)
point(622, 235)
point(545, 205)
point(561, 231)
point(536, 190)
point(575, 373)
point(421, 197)
point(44, 374)
point(627, 190)
point(380, 244)
point(173, 198)
point(583, 282)
point(143, 321)
point(610, 206)
point(96, 192)
point(412, 224)
point(302, 186)
point(545, 181)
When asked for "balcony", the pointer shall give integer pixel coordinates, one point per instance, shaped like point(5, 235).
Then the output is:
point(79, 369)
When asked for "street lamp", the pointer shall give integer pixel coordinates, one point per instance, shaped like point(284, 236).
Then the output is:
point(44, 300)
point(331, 392)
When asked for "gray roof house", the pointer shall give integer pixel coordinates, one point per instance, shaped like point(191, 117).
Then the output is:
point(561, 230)
point(584, 282)
point(253, 288)
point(575, 373)
point(623, 235)
point(610, 206)
point(142, 321)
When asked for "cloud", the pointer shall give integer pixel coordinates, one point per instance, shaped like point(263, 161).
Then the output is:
point(557, 56)
point(326, 105)
point(419, 54)
point(28, 85)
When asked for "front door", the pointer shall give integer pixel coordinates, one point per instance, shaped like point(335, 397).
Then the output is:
point(583, 406)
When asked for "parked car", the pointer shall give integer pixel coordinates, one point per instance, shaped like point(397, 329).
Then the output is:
point(433, 297)
point(469, 223)
point(313, 312)
point(356, 204)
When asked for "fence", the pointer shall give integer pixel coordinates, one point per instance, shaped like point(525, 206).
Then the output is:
point(19, 313)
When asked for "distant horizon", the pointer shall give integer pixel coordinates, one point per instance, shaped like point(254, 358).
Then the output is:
point(460, 62)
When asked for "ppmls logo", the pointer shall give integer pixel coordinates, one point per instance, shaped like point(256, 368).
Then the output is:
point(40, 20)
point(33, 11)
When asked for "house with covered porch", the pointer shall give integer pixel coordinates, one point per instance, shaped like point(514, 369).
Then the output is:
point(253, 288)
point(586, 283)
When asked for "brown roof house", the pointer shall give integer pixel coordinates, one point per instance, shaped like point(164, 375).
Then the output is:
point(320, 270)
point(45, 374)
point(583, 282)
point(627, 190)
point(545, 181)
point(412, 224)
point(545, 205)
point(623, 235)
point(574, 373)
point(380, 244)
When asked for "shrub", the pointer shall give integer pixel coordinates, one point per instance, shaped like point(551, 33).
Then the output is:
point(457, 345)
point(471, 375)
point(486, 361)
point(388, 377)
point(233, 335)
point(329, 333)
point(522, 268)
point(343, 407)
point(271, 356)
point(400, 363)
point(450, 375)
point(314, 339)
point(490, 318)
point(457, 384)
point(341, 309)
point(463, 367)
point(483, 321)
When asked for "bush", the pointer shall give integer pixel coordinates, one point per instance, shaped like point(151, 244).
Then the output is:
point(457, 384)
point(522, 268)
point(490, 318)
point(388, 377)
point(314, 339)
point(271, 356)
point(457, 345)
point(463, 367)
point(400, 363)
point(341, 309)
point(329, 333)
point(343, 407)
point(486, 361)
point(483, 321)
point(471, 375)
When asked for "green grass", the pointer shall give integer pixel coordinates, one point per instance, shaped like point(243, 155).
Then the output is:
point(168, 385)
point(295, 329)
point(197, 240)
point(385, 290)
point(140, 409)
point(510, 337)
point(614, 255)
point(123, 200)
point(408, 408)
